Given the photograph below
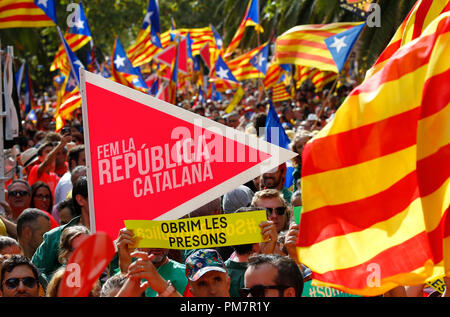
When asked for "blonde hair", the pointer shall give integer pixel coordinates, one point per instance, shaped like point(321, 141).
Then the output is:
point(270, 193)
point(55, 282)
point(65, 243)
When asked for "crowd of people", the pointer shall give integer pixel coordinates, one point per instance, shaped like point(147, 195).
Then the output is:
point(46, 212)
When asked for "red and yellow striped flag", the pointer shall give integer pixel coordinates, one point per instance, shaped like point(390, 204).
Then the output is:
point(318, 78)
point(22, 13)
point(241, 67)
point(280, 92)
point(420, 16)
point(273, 75)
point(304, 45)
point(375, 180)
point(75, 41)
point(251, 18)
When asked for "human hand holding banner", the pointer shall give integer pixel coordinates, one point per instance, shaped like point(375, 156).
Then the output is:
point(199, 232)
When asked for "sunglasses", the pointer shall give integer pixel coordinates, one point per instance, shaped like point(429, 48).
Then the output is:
point(278, 210)
point(260, 290)
point(14, 282)
point(22, 193)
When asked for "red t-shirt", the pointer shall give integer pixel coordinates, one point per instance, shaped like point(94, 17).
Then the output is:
point(51, 179)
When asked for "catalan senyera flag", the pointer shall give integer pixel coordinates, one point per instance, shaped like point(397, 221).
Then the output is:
point(251, 18)
point(375, 180)
point(27, 13)
point(420, 16)
point(280, 92)
point(318, 77)
point(77, 36)
point(273, 75)
point(305, 45)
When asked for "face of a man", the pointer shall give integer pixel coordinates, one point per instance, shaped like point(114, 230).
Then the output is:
point(159, 255)
point(272, 180)
point(278, 220)
point(263, 274)
point(211, 284)
point(18, 196)
point(12, 287)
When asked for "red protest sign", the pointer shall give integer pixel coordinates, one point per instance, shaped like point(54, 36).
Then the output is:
point(86, 265)
point(150, 160)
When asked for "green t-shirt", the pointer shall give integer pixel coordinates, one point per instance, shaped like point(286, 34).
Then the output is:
point(174, 272)
point(236, 271)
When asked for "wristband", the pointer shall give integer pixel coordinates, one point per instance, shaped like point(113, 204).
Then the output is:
point(169, 290)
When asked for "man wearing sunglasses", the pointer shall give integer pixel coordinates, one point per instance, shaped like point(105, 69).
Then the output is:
point(275, 205)
point(18, 198)
point(271, 275)
point(19, 278)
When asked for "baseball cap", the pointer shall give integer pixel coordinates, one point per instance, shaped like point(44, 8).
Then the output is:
point(203, 261)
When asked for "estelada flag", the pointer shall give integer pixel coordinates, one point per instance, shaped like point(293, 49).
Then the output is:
point(27, 13)
point(305, 45)
point(375, 180)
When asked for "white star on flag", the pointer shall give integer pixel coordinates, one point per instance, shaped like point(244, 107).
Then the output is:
point(79, 24)
point(219, 42)
point(43, 2)
point(261, 59)
point(119, 61)
point(78, 63)
point(339, 43)
point(223, 73)
point(148, 17)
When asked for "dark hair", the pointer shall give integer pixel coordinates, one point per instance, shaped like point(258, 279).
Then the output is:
point(68, 203)
point(289, 274)
point(79, 188)
point(6, 241)
point(28, 217)
point(34, 190)
point(74, 154)
point(15, 260)
point(43, 146)
point(20, 181)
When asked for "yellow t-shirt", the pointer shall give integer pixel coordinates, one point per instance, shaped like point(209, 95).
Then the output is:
point(2, 229)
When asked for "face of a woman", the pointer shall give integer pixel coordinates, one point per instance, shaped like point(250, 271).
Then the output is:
point(42, 199)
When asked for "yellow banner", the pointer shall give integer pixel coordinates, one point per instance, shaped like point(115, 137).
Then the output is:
point(199, 232)
point(236, 99)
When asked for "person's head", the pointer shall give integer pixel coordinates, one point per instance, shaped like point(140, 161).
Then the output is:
point(159, 255)
point(41, 196)
point(232, 119)
point(277, 210)
point(29, 158)
point(270, 275)
point(9, 245)
point(66, 211)
point(113, 285)
point(77, 172)
point(19, 196)
point(259, 123)
point(237, 198)
point(274, 178)
point(44, 150)
point(298, 143)
point(53, 285)
point(31, 226)
point(296, 199)
point(19, 277)
point(76, 156)
point(207, 274)
point(71, 238)
point(80, 195)
point(212, 208)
